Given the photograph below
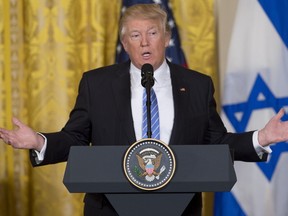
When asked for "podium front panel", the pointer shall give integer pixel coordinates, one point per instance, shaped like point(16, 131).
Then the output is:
point(199, 168)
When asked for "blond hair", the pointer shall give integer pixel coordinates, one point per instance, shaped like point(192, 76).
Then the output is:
point(144, 11)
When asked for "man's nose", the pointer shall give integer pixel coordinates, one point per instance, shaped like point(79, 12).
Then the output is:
point(144, 41)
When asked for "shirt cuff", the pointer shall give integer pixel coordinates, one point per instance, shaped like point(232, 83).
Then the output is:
point(40, 155)
point(260, 150)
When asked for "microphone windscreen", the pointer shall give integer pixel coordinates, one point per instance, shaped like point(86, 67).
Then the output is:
point(147, 69)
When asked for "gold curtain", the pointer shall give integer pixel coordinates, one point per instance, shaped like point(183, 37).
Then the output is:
point(45, 46)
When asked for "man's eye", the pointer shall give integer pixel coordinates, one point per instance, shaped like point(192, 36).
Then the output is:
point(153, 33)
point(135, 36)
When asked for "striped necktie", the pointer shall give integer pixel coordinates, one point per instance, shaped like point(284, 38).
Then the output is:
point(155, 126)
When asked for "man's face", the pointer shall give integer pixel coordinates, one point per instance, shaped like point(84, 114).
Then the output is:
point(145, 42)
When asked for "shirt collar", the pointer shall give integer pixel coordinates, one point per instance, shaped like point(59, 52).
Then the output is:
point(161, 76)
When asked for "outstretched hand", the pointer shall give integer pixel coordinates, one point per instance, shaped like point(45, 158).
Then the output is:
point(22, 137)
point(274, 131)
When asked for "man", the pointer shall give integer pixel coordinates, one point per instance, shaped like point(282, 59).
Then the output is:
point(108, 108)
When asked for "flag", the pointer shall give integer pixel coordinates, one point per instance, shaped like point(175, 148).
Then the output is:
point(255, 88)
point(174, 52)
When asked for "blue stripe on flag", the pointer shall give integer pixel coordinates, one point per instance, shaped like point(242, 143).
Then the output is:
point(277, 11)
point(231, 205)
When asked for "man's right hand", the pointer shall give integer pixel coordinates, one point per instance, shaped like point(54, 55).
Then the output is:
point(22, 137)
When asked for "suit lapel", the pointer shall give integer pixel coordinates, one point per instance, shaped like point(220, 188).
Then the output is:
point(122, 95)
point(181, 99)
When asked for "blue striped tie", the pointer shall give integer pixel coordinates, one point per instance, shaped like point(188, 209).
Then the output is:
point(155, 126)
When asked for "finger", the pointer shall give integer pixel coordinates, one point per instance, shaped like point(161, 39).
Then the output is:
point(3, 133)
point(6, 140)
point(17, 122)
point(280, 114)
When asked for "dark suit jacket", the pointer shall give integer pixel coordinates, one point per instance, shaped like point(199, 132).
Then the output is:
point(102, 115)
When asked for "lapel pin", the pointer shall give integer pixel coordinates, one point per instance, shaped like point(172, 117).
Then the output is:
point(182, 89)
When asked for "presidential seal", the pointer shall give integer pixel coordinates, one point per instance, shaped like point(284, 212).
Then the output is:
point(149, 164)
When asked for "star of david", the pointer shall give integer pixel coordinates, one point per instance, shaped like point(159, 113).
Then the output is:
point(260, 98)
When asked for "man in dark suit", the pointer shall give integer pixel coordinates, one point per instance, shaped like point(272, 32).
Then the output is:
point(108, 108)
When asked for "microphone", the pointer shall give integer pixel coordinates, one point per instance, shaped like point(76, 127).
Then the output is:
point(147, 82)
point(147, 73)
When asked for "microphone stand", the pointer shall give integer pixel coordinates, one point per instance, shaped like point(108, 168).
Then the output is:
point(148, 105)
point(148, 82)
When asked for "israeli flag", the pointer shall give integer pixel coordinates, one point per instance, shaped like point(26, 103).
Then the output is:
point(255, 88)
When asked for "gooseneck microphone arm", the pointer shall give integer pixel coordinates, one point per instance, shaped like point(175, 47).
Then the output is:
point(147, 82)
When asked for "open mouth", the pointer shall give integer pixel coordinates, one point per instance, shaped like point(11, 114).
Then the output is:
point(146, 54)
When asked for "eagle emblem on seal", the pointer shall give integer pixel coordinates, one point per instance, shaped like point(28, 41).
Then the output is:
point(149, 161)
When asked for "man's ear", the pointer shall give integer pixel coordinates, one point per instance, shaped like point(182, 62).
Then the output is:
point(167, 39)
point(124, 44)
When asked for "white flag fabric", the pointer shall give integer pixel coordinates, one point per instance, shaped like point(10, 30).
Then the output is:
point(255, 88)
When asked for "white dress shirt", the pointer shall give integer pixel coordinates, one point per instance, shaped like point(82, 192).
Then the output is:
point(163, 91)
